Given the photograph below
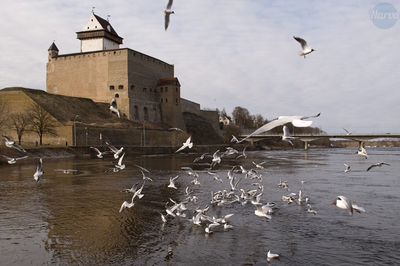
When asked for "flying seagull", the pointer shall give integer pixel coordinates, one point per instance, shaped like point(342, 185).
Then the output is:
point(297, 121)
point(99, 153)
point(348, 132)
point(187, 144)
point(13, 160)
point(305, 48)
point(376, 164)
point(347, 168)
point(344, 203)
point(362, 152)
point(286, 135)
point(39, 171)
point(167, 11)
point(114, 108)
point(114, 150)
point(11, 144)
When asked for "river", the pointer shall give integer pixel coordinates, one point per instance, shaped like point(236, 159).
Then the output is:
point(74, 219)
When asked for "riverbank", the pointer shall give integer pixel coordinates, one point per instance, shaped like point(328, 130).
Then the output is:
point(70, 152)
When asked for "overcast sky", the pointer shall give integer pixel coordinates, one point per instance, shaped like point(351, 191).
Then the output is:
point(230, 53)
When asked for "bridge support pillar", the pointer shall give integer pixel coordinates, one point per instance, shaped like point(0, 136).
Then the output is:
point(306, 145)
point(360, 144)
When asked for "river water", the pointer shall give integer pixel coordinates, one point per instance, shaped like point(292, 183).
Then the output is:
point(74, 219)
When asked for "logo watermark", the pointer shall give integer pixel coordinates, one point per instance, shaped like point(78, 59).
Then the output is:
point(384, 15)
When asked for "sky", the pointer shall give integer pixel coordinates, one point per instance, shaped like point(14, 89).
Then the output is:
point(230, 53)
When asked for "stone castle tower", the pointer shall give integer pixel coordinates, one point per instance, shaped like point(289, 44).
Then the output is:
point(144, 87)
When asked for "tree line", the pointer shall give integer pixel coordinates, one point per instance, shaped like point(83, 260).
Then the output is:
point(34, 119)
point(242, 119)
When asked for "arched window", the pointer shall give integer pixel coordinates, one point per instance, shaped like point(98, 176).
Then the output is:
point(132, 87)
point(136, 112)
point(111, 87)
point(155, 114)
point(121, 87)
point(145, 114)
point(144, 89)
point(116, 95)
point(161, 89)
point(166, 89)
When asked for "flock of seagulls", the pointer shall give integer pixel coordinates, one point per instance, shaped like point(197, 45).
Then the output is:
point(235, 191)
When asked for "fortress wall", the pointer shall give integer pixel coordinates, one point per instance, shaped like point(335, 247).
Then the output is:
point(122, 74)
point(144, 73)
point(190, 107)
point(212, 116)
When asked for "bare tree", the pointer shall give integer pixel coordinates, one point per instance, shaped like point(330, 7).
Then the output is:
point(20, 122)
point(42, 123)
point(241, 116)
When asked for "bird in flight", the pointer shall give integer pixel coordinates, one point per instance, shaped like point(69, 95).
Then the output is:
point(376, 164)
point(167, 11)
point(304, 46)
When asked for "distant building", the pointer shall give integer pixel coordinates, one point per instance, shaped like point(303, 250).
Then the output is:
point(224, 119)
point(144, 87)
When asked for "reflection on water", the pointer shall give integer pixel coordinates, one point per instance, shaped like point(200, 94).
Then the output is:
point(73, 218)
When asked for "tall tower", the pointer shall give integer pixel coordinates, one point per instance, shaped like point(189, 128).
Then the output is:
point(97, 35)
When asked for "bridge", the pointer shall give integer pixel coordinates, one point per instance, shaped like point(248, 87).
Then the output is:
point(360, 138)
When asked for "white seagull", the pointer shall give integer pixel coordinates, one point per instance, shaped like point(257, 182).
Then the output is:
point(261, 212)
point(271, 256)
point(348, 132)
point(167, 11)
point(187, 144)
point(66, 171)
point(347, 169)
point(344, 203)
point(99, 153)
point(11, 144)
point(117, 152)
point(286, 135)
point(114, 108)
point(172, 182)
point(362, 152)
point(126, 204)
point(305, 48)
point(376, 164)
point(39, 171)
point(297, 121)
point(120, 165)
point(13, 160)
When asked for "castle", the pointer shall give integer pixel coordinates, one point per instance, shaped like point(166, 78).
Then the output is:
point(144, 87)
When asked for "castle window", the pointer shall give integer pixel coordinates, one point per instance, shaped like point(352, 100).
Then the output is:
point(121, 87)
point(161, 89)
point(145, 114)
point(132, 87)
point(176, 101)
point(151, 90)
point(161, 100)
point(111, 87)
point(166, 89)
point(166, 100)
point(176, 89)
point(116, 95)
point(155, 114)
point(136, 112)
point(144, 89)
